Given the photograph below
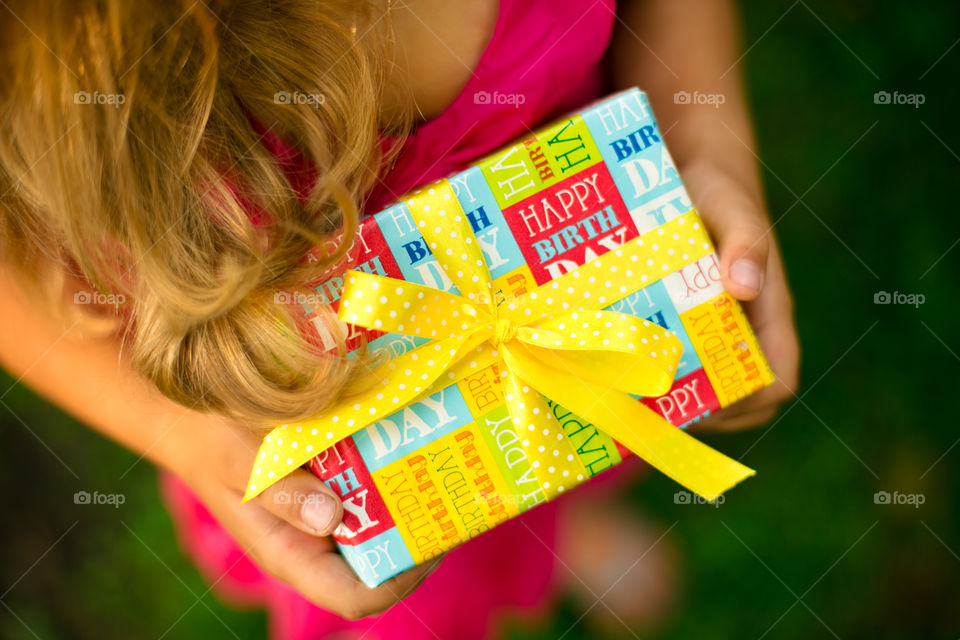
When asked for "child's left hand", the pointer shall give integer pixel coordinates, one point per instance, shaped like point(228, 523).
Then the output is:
point(752, 272)
point(670, 47)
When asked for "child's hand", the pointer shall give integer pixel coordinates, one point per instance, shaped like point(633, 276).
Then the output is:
point(752, 272)
point(89, 378)
point(286, 529)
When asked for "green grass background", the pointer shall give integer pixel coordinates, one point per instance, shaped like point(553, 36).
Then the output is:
point(801, 551)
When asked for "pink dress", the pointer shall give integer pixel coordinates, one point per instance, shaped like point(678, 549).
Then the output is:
point(545, 55)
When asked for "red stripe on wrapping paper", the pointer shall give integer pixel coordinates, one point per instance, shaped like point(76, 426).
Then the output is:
point(369, 252)
point(544, 225)
point(334, 467)
point(690, 397)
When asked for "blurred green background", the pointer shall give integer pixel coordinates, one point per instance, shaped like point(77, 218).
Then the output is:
point(801, 551)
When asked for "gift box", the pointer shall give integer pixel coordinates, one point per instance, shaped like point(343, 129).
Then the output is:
point(545, 313)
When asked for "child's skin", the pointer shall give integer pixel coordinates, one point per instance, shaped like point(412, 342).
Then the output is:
point(661, 45)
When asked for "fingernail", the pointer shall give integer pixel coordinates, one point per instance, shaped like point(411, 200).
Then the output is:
point(747, 274)
point(319, 512)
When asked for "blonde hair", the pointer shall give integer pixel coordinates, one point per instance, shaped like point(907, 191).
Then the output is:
point(132, 154)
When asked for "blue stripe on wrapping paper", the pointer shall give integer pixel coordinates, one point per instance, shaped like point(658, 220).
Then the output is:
point(500, 249)
point(413, 256)
point(411, 253)
point(379, 558)
point(405, 431)
point(632, 148)
point(653, 303)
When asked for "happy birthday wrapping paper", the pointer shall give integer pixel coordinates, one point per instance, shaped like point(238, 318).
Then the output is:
point(544, 313)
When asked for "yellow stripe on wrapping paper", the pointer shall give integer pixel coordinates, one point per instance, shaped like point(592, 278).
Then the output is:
point(514, 283)
point(482, 391)
point(446, 492)
point(726, 345)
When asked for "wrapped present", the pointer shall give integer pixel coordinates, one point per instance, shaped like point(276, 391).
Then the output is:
point(546, 312)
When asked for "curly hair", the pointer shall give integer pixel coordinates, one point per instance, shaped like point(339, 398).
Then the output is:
point(132, 155)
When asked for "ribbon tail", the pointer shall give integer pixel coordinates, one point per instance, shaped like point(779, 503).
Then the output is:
point(699, 468)
point(553, 457)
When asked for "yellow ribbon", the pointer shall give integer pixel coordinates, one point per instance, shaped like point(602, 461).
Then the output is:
point(550, 342)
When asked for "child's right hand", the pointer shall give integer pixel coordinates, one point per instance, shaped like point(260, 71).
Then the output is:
point(286, 530)
point(89, 378)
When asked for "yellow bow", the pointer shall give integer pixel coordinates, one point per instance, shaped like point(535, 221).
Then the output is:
point(551, 342)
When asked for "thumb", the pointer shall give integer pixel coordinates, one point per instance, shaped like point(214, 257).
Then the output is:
point(304, 501)
point(742, 234)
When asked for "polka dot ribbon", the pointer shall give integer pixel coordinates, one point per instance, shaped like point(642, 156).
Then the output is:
point(551, 342)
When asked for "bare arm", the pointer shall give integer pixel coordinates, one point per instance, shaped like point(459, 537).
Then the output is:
point(668, 46)
point(89, 378)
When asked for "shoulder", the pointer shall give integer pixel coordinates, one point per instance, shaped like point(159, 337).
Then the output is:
point(438, 44)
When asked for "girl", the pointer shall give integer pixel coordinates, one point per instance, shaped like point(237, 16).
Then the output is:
point(166, 167)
